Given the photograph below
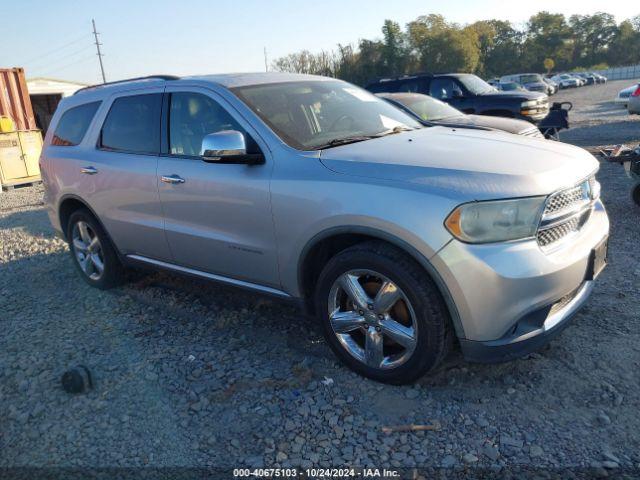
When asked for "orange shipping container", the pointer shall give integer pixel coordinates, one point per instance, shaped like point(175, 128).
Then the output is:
point(14, 98)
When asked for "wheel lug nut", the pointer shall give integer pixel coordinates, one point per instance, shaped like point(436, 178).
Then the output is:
point(360, 312)
point(381, 317)
point(370, 307)
point(378, 329)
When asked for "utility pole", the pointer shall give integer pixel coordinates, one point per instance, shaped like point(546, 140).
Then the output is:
point(100, 55)
point(266, 64)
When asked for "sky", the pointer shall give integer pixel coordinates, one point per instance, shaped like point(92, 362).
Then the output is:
point(188, 37)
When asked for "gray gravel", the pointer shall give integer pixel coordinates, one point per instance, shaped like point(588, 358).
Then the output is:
point(595, 118)
point(188, 374)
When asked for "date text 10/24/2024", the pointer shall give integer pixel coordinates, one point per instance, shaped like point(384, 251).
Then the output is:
point(319, 473)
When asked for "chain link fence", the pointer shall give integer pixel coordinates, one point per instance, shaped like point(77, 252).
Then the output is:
point(621, 73)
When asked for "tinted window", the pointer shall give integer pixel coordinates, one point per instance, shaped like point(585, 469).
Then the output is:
point(442, 88)
point(133, 124)
point(412, 86)
point(192, 116)
point(74, 124)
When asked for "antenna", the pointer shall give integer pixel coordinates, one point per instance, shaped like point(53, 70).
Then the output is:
point(100, 54)
point(266, 64)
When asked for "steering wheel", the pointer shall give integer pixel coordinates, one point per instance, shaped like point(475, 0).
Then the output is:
point(342, 117)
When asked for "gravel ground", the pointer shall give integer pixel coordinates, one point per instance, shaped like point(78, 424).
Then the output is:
point(595, 119)
point(198, 375)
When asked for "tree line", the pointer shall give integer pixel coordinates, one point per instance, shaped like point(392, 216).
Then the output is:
point(547, 42)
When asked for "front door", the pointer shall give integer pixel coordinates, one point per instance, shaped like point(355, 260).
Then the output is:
point(217, 216)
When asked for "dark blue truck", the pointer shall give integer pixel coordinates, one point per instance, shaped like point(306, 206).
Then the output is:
point(470, 94)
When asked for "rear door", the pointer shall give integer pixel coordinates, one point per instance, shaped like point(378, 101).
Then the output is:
point(118, 176)
point(218, 217)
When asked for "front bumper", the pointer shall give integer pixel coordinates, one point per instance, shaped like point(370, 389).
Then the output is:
point(500, 289)
point(519, 343)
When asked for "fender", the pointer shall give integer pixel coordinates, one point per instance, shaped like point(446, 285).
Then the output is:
point(401, 244)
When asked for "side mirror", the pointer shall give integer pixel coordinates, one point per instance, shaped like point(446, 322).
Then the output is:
point(228, 146)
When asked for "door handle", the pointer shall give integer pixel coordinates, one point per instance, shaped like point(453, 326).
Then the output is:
point(89, 170)
point(173, 179)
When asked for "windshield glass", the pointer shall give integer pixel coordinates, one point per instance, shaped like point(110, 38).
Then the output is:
point(510, 86)
point(310, 115)
point(428, 108)
point(530, 78)
point(475, 84)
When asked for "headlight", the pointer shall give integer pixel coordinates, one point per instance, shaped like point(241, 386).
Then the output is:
point(529, 103)
point(496, 221)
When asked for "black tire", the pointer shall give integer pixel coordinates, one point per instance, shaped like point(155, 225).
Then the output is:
point(635, 194)
point(113, 273)
point(435, 333)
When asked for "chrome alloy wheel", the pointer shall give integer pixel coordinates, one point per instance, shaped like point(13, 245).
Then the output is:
point(87, 250)
point(372, 319)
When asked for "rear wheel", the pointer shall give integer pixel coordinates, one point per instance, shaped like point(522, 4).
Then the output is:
point(92, 251)
point(382, 314)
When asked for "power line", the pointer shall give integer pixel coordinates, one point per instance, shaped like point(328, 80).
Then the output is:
point(64, 57)
point(95, 34)
point(49, 52)
point(57, 69)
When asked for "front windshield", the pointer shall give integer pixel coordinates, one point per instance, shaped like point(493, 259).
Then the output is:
point(530, 78)
point(311, 115)
point(476, 85)
point(428, 108)
point(510, 86)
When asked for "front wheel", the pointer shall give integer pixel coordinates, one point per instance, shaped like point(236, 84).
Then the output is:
point(635, 194)
point(382, 314)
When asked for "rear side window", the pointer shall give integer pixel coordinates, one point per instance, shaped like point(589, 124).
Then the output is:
point(133, 124)
point(74, 124)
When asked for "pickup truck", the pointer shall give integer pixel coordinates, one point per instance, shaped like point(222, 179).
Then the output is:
point(470, 94)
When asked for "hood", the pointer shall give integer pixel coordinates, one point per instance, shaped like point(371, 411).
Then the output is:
point(465, 164)
point(515, 95)
point(510, 125)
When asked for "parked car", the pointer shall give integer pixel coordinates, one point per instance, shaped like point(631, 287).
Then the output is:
point(553, 86)
point(581, 81)
point(531, 81)
point(510, 87)
point(599, 78)
point(469, 94)
point(633, 105)
point(432, 112)
point(398, 238)
point(624, 94)
point(588, 78)
point(566, 81)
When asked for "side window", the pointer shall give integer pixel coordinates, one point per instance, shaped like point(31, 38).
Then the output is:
point(133, 124)
point(74, 124)
point(442, 88)
point(412, 86)
point(192, 116)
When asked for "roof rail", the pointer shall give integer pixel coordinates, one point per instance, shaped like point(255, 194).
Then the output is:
point(135, 79)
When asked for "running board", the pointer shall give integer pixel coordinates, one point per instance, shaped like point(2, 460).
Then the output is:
point(209, 276)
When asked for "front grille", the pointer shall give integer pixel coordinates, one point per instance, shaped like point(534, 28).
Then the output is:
point(566, 212)
point(564, 200)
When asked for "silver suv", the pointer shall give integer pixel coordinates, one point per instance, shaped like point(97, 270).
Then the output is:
point(399, 238)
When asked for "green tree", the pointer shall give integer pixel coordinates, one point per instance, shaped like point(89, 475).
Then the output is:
point(624, 48)
point(547, 36)
point(592, 35)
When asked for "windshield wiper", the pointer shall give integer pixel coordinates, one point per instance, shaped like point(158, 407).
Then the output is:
point(336, 142)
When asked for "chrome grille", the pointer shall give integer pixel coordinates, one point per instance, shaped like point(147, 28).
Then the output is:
point(564, 200)
point(553, 234)
point(566, 212)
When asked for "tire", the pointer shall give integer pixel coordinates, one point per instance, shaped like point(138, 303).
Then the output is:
point(426, 333)
point(635, 194)
point(82, 229)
